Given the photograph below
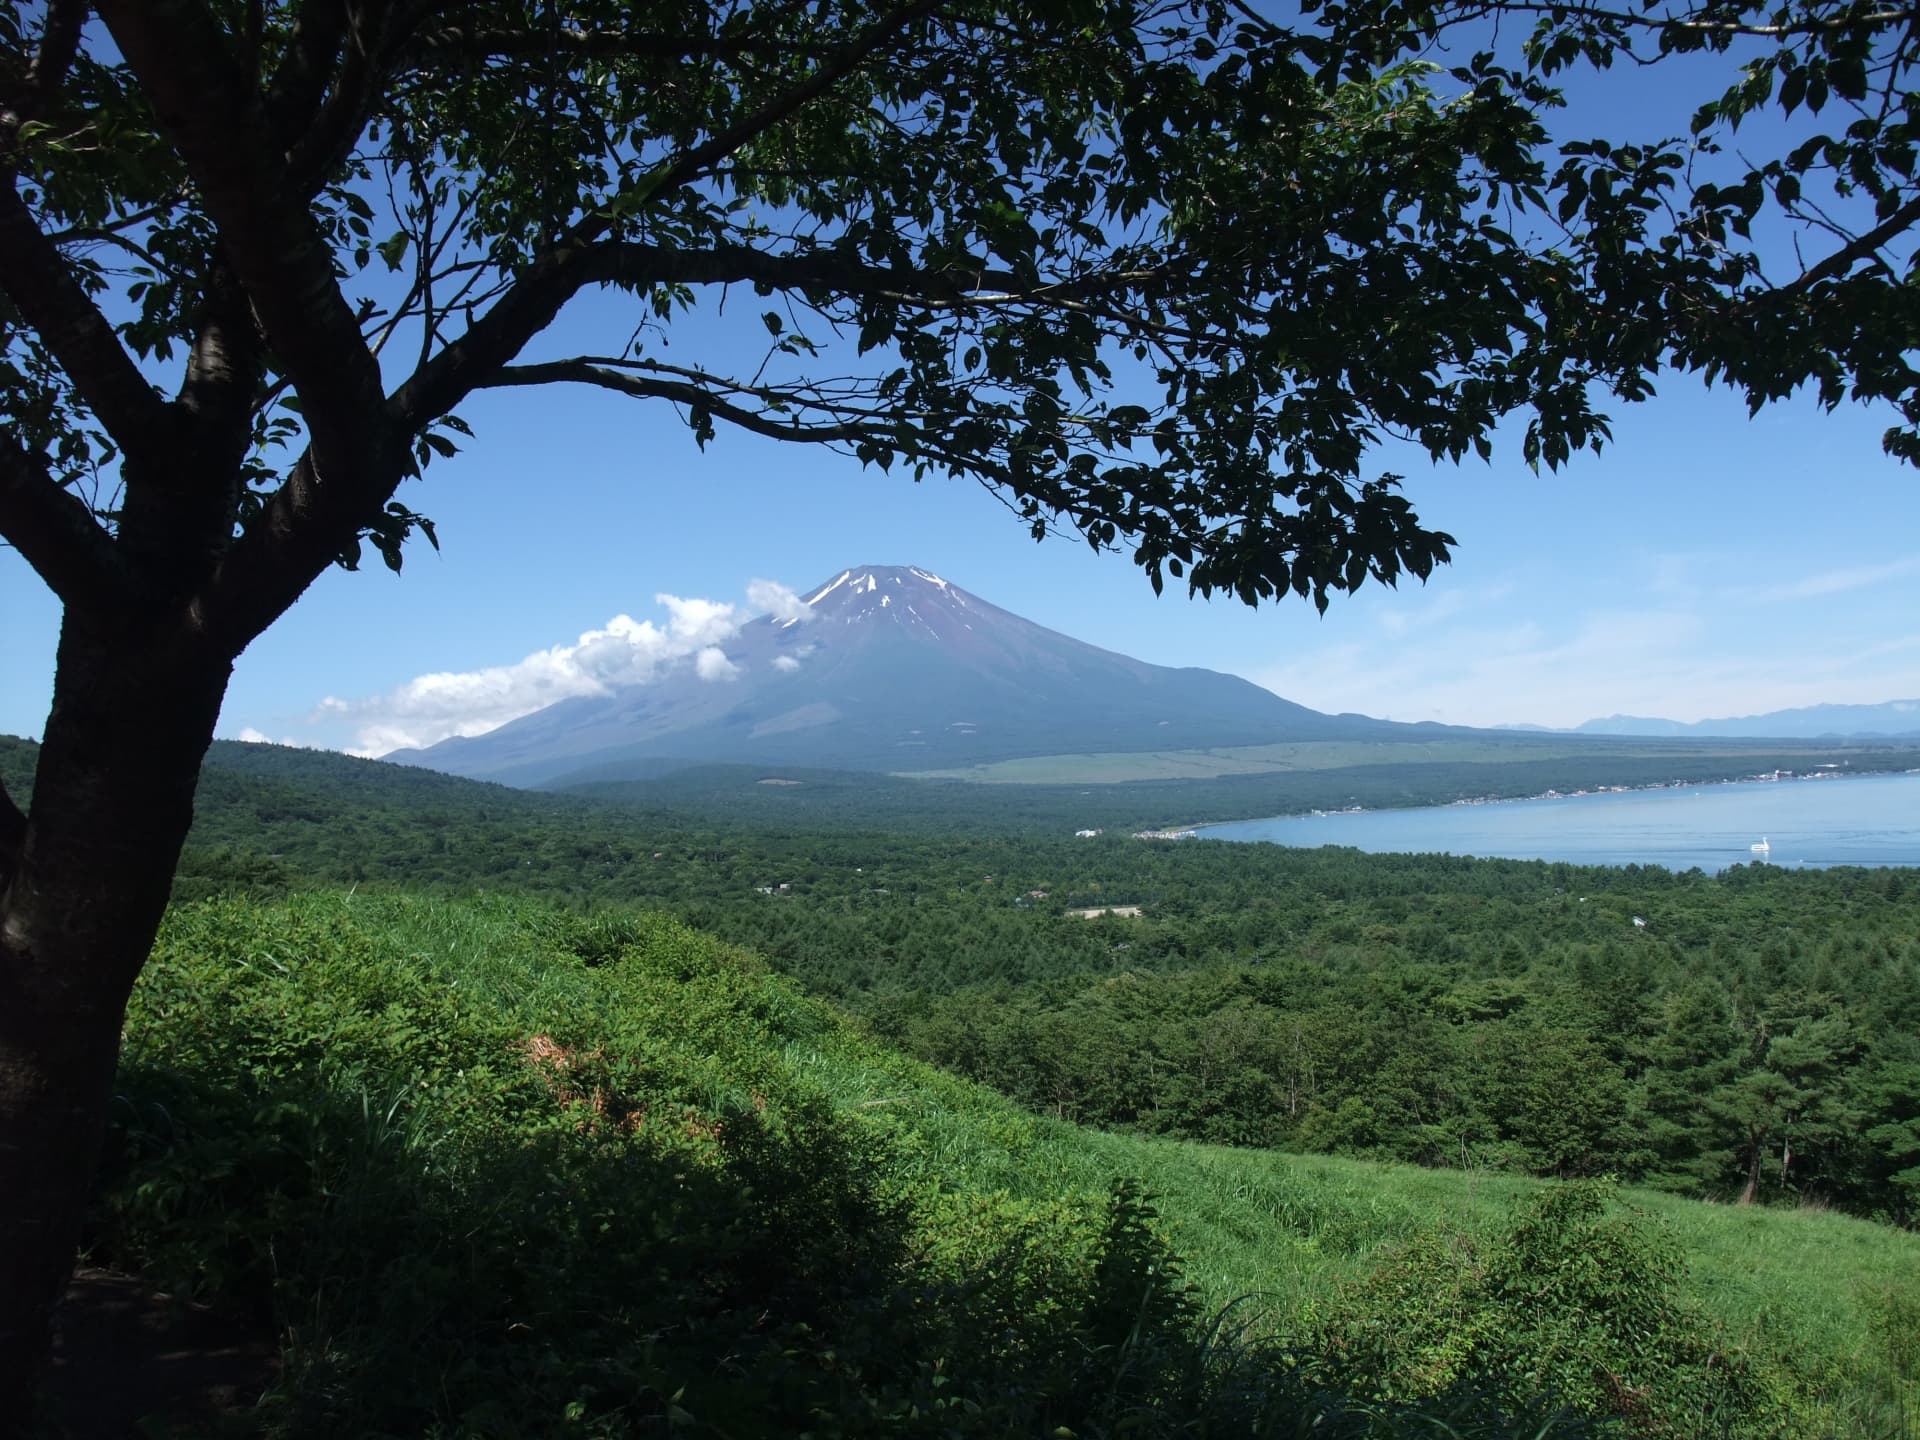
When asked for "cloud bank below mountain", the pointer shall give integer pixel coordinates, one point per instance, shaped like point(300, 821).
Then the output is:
point(692, 633)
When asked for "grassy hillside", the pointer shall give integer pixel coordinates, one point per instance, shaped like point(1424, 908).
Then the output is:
point(1534, 1018)
point(498, 1169)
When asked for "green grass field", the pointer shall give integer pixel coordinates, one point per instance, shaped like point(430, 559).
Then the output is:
point(347, 1108)
point(1279, 1234)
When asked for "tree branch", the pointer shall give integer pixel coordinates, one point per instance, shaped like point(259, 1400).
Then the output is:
point(1570, 9)
point(299, 84)
point(537, 297)
point(54, 531)
point(917, 445)
point(580, 260)
point(675, 173)
point(300, 531)
point(847, 398)
point(36, 279)
point(206, 110)
point(584, 372)
point(1024, 496)
point(59, 43)
point(111, 230)
point(831, 72)
point(223, 371)
point(454, 41)
point(373, 37)
point(1844, 258)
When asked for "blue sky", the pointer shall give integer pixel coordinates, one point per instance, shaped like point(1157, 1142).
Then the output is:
point(1704, 565)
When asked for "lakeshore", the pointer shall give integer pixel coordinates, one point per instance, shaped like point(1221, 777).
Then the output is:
point(1871, 819)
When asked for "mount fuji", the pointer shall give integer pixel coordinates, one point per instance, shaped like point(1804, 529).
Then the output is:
point(889, 668)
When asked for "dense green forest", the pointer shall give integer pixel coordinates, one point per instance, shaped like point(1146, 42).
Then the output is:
point(1751, 1035)
point(1302, 1142)
point(315, 785)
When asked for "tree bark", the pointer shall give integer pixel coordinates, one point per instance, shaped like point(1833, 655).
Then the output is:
point(134, 708)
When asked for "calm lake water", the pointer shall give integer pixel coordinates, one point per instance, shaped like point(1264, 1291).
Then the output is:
point(1865, 820)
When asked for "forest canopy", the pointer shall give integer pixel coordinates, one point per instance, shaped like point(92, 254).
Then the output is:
point(1123, 265)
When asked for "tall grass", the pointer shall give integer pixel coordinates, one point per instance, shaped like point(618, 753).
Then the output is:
point(492, 1168)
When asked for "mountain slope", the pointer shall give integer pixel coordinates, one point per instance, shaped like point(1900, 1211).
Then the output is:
point(889, 668)
point(1811, 722)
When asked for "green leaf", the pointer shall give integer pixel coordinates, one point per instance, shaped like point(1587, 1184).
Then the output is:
point(394, 248)
point(1848, 76)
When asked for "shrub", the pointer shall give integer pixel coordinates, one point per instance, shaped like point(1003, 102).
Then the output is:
point(1578, 1304)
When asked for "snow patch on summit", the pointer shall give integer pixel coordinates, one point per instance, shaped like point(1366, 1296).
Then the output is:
point(865, 594)
point(826, 590)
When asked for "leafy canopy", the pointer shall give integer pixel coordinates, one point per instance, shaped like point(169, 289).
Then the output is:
point(1161, 274)
point(1771, 245)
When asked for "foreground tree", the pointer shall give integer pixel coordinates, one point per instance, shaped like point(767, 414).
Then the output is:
point(1770, 258)
point(1155, 273)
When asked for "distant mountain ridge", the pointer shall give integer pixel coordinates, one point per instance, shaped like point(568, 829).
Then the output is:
point(890, 668)
point(1809, 722)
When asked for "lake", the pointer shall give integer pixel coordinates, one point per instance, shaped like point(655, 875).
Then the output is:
point(1860, 820)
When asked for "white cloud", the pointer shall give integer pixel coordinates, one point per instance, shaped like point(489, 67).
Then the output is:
point(1480, 673)
point(1673, 663)
point(250, 736)
point(1837, 582)
point(699, 622)
point(624, 651)
point(1440, 607)
point(712, 664)
point(786, 662)
point(778, 601)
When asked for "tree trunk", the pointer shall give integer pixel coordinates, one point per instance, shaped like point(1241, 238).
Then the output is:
point(1752, 1192)
point(134, 708)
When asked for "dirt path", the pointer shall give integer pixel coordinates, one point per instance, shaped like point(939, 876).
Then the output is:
point(129, 1362)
